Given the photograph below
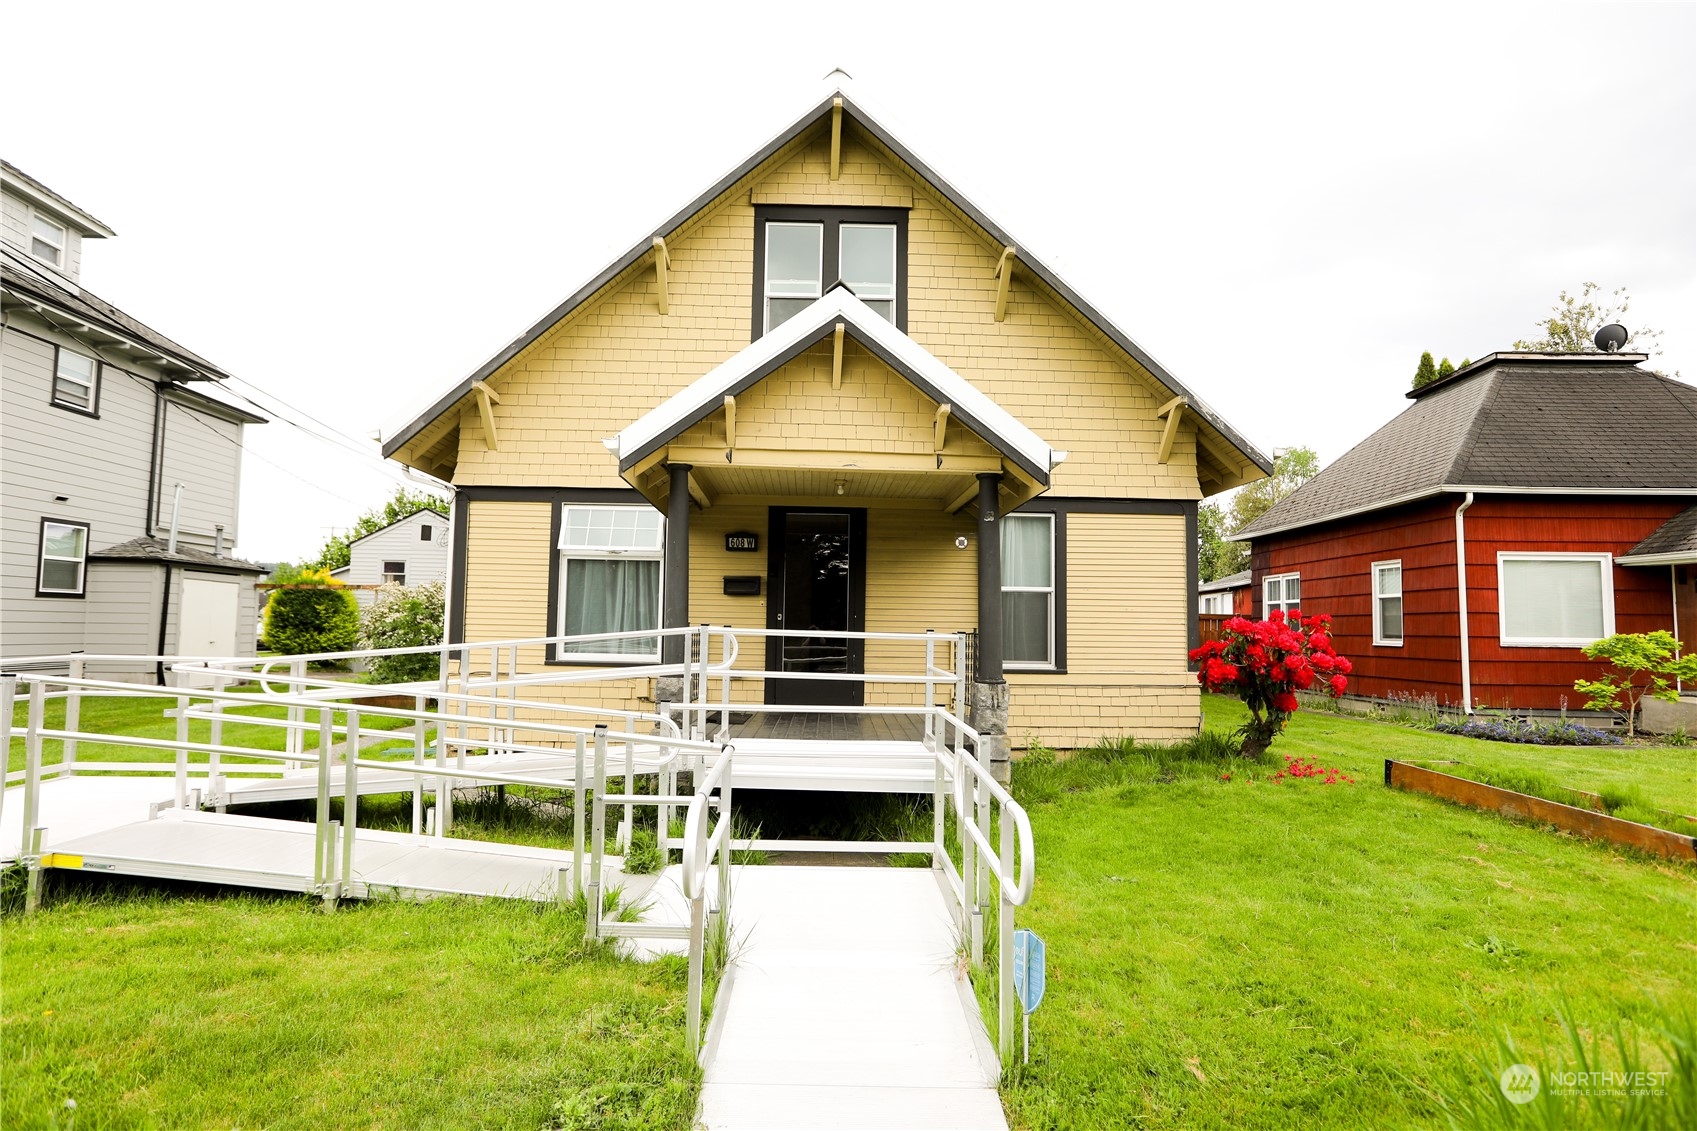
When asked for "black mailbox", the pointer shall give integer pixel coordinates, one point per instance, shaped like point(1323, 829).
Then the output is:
point(742, 586)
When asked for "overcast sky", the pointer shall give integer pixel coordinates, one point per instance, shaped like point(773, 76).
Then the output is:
point(353, 205)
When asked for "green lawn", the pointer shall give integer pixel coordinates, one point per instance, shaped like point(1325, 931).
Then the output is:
point(190, 1010)
point(1248, 953)
point(143, 717)
point(1666, 776)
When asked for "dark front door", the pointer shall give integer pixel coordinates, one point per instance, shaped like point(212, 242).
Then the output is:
point(816, 582)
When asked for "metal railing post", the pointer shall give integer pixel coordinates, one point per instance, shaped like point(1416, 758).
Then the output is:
point(182, 751)
point(350, 797)
point(73, 720)
point(629, 825)
point(215, 736)
point(981, 894)
point(939, 842)
point(577, 819)
point(33, 838)
point(697, 957)
point(295, 740)
point(321, 851)
point(32, 759)
point(725, 846)
point(598, 836)
point(1004, 945)
point(8, 700)
point(930, 687)
point(418, 760)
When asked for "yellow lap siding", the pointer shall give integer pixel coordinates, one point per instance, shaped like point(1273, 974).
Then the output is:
point(1127, 605)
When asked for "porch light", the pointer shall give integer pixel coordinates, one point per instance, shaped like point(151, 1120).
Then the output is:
point(842, 485)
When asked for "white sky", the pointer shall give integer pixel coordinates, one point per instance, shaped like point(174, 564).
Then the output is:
point(353, 205)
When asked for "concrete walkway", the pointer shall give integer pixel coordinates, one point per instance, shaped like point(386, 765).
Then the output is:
point(846, 1009)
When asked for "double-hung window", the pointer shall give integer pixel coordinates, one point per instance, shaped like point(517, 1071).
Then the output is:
point(75, 381)
point(47, 241)
point(64, 558)
point(1282, 591)
point(1554, 600)
point(609, 580)
point(1028, 590)
point(394, 573)
point(800, 253)
point(1387, 603)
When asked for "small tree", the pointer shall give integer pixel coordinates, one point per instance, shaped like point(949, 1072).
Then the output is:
point(1215, 557)
point(315, 613)
point(1265, 663)
point(1645, 663)
point(404, 617)
point(1575, 319)
point(405, 501)
point(1426, 372)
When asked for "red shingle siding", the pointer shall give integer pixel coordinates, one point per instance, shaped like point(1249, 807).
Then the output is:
point(1335, 561)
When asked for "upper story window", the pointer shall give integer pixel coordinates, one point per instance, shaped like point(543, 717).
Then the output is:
point(1554, 600)
point(802, 252)
point(75, 381)
point(47, 241)
point(1282, 591)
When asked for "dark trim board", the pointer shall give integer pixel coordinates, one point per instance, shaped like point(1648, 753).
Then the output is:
point(830, 267)
point(613, 495)
point(1079, 504)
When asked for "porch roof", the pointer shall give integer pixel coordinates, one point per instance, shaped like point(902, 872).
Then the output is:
point(968, 404)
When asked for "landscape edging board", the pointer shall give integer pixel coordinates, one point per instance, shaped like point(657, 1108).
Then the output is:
point(1646, 838)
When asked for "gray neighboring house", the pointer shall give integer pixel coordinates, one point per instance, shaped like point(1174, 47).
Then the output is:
point(101, 418)
point(409, 551)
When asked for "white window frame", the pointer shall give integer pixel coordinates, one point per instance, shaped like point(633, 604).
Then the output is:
point(388, 574)
point(894, 297)
point(1605, 577)
point(1267, 606)
point(1047, 665)
point(1216, 603)
point(1379, 637)
point(818, 288)
point(43, 557)
point(63, 247)
point(92, 384)
point(563, 553)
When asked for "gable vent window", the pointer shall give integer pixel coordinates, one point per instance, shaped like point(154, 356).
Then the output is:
point(424, 532)
point(800, 253)
point(74, 380)
point(47, 241)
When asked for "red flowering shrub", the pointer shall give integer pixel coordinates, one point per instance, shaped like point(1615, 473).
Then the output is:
point(1265, 663)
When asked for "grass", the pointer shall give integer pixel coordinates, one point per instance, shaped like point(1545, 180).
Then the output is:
point(1295, 954)
point(143, 717)
point(154, 1007)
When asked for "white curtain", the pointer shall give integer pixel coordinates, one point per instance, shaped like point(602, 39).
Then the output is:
point(1028, 562)
point(612, 595)
point(1552, 599)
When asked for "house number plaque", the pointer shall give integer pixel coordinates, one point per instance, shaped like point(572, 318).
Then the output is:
point(742, 542)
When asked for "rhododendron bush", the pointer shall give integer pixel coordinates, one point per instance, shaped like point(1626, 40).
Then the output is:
point(1265, 663)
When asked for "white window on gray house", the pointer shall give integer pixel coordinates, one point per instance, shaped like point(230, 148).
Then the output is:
point(1282, 591)
point(424, 532)
point(47, 241)
point(795, 268)
point(1215, 603)
point(868, 262)
point(1028, 590)
point(1387, 603)
point(609, 579)
point(394, 573)
point(74, 380)
point(64, 558)
point(1552, 600)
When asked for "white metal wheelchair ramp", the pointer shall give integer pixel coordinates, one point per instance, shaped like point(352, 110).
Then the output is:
point(848, 1007)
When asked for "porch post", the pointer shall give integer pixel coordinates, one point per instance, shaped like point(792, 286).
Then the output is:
point(988, 705)
point(675, 607)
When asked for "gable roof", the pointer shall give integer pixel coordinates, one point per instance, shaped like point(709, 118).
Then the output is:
point(1674, 542)
point(1231, 581)
point(28, 187)
point(148, 549)
point(862, 119)
point(437, 516)
point(1587, 423)
point(813, 324)
point(29, 284)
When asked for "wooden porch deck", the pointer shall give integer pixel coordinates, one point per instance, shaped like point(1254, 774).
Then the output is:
point(804, 727)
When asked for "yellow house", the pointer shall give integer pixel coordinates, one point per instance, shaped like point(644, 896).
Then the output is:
point(831, 395)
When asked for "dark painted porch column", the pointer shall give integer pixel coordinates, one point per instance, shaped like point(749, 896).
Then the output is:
point(988, 699)
point(674, 612)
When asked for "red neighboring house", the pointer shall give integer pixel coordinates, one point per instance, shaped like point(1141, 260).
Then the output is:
point(1566, 482)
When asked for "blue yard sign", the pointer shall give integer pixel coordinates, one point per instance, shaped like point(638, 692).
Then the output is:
point(1028, 969)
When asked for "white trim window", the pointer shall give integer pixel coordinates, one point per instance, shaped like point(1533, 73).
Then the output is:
point(795, 269)
point(394, 573)
point(610, 579)
point(48, 240)
point(63, 567)
point(1214, 604)
point(1387, 603)
point(1281, 591)
point(74, 377)
point(866, 255)
point(1028, 591)
point(1554, 600)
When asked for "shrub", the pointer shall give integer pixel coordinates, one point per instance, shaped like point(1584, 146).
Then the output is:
point(404, 617)
point(1265, 663)
point(317, 614)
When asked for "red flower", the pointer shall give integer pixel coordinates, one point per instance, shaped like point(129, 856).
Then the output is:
point(1319, 642)
point(1339, 684)
point(1286, 702)
point(1303, 678)
point(1342, 664)
point(1277, 616)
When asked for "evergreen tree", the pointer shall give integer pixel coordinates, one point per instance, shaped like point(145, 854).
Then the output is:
point(1427, 372)
point(1445, 368)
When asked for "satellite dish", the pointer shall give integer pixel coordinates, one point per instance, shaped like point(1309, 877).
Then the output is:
point(1611, 337)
